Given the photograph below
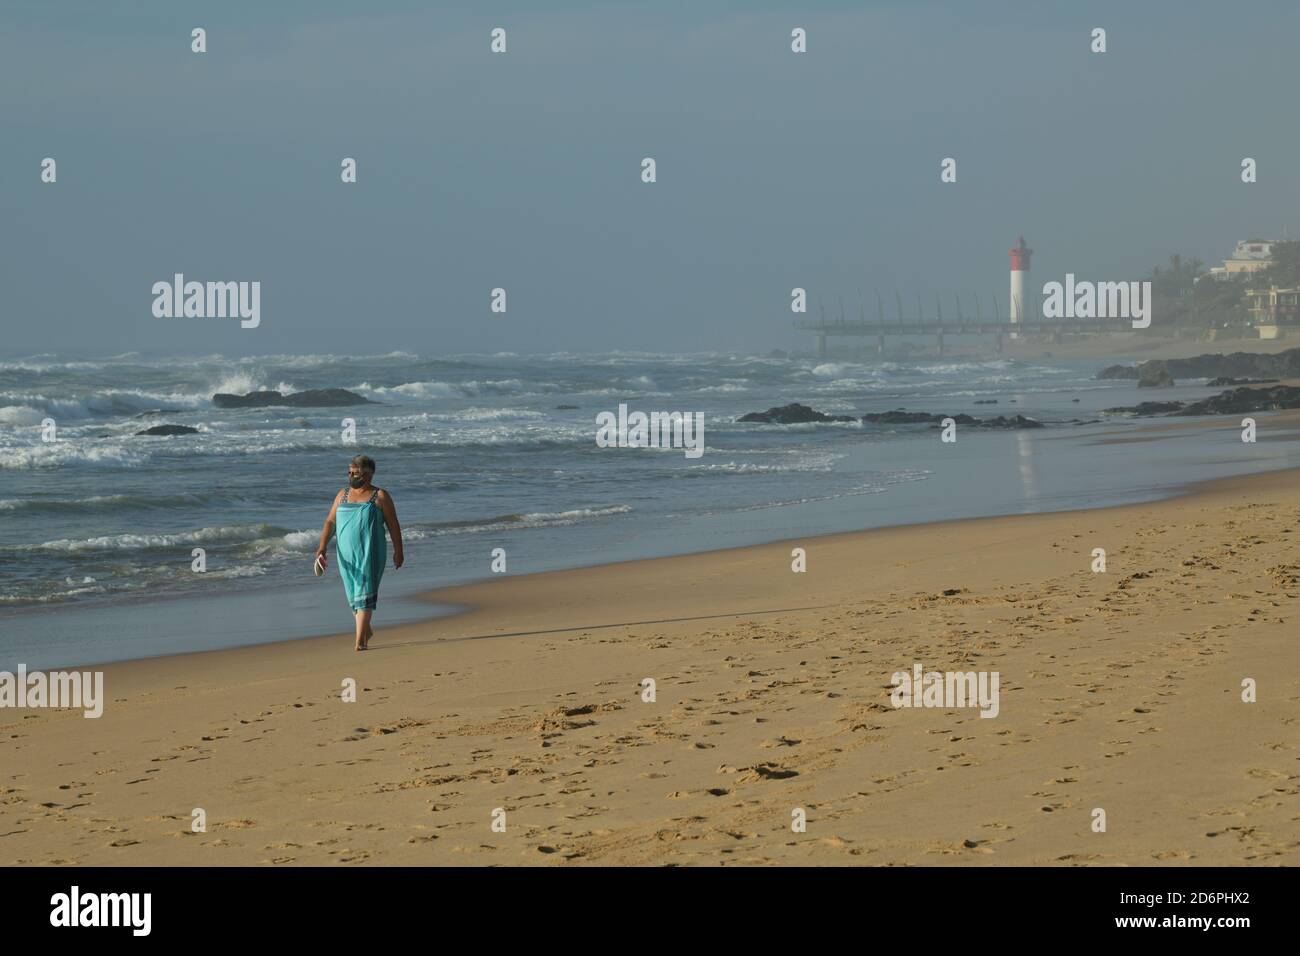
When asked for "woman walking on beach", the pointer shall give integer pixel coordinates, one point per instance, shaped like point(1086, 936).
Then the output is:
point(359, 515)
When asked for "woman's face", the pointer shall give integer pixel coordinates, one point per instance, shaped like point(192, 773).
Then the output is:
point(356, 477)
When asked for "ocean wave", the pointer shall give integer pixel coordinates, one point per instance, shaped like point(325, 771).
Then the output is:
point(510, 522)
point(410, 390)
point(45, 593)
point(225, 439)
point(725, 388)
point(63, 454)
point(105, 403)
point(490, 415)
point(53, 592)
point(46, 363)
point(809, 463)
point(21, 415)
point(264, 540)
point(760, 427)
point(101, 502)
point(230, 534)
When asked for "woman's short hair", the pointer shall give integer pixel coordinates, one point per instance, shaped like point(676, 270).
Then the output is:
point(364, 462)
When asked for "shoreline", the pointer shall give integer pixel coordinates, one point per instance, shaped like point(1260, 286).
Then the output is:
point(456, 609)
point(1287, 418)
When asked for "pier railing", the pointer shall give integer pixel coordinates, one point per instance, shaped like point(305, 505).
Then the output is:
point(942, 327)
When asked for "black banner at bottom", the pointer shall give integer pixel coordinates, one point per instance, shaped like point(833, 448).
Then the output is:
point(300, 905)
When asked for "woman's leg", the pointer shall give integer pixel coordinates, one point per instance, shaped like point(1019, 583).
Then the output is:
point(362, 621)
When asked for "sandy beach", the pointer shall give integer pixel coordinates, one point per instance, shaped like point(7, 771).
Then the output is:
point(1119, 690)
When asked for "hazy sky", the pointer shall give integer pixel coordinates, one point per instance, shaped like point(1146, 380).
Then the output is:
point(522, 170)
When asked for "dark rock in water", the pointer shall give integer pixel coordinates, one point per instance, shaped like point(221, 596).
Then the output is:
point(900, 417)
point(157, 411)
point(1223, 381)
point(565, 408)
point(1017, 421)
point(311, 398)
point(302, 423)
point(1236, 364)
point(1154, 376)
point(1074, 399)
point(1118, 371)
point(793, 414)
point(986, 401)
point(1239, 364)
point(1238, 400)
point(1145, 408)
point(169, 430)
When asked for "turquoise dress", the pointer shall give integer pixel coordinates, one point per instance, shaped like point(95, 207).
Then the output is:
point(363, 550)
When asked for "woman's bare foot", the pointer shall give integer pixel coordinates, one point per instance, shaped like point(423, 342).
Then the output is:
point(365, 638)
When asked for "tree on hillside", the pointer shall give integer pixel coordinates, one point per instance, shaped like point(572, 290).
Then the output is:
point(1285, 268)
point(1220, 300)
point(1174, 290)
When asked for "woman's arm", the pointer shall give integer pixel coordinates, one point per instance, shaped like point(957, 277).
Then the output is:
point(394, 529)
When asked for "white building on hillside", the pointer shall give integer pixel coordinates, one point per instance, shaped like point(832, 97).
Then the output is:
point(1251, 255)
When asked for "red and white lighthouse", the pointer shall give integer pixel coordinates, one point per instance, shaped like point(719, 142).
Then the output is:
point(1019, 304)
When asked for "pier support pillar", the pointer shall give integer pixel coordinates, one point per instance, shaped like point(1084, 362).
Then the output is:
point(880, 344)
point(999, 343)
point(821, 346)
point(941, 343)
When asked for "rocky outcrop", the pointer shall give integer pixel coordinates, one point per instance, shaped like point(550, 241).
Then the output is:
point(1240, 400)
point(1145, 408)
point(900, 417)
point(1234, 365)
point(169, 430)
point(793, 414)
point(1118, 372)
point(311, 398)
point(1154, 376)
point(1235, 401)
point(796, 414)
point(1224, 381)
point(1238, 365)
point(1015, 421)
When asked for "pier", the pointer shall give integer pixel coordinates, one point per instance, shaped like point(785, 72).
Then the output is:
point(941, 328)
